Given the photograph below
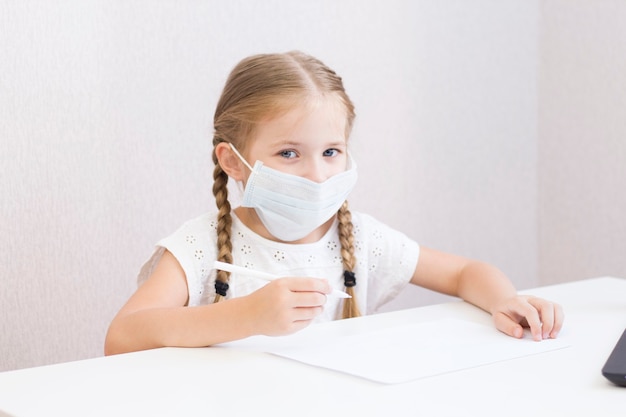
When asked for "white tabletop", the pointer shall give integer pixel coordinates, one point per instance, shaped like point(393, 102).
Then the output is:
point(237, 380)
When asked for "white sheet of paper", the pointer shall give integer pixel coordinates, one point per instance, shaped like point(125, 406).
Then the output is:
point(407, 352)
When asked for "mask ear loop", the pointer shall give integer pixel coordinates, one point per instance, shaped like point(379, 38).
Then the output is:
point(239, 156)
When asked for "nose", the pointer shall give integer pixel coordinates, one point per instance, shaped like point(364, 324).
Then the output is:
point(316, 170)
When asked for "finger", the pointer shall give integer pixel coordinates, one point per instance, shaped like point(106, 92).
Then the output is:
point(559, 317)
point(524, 310)
point(306, 299)
point(508, 325)
point(308, 284)
point(530, 313)
point(298, 325)
point(303, 314)
point(546, 312)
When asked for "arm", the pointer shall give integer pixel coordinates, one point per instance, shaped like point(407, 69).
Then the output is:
point(488, 288)
point(157, 315)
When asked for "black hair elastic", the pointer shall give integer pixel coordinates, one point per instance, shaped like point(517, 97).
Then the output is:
point(221, 288)
point(349, 280)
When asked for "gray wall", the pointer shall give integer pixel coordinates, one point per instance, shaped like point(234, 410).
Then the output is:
point(582, 140)
point(464, 138)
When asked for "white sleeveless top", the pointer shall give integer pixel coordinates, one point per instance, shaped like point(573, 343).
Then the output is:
point(386, 260)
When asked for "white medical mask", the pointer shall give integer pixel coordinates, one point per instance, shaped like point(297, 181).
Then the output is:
point(291, 207)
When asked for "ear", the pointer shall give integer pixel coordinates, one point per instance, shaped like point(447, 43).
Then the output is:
point(230, 163)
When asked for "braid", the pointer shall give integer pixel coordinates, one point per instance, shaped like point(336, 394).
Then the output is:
point(224, 223)
point(346, 237)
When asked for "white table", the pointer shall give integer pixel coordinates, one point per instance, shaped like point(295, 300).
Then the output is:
point(233, 381)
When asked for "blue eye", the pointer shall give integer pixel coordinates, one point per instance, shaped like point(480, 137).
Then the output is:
point(331, 152)
point(288, 154)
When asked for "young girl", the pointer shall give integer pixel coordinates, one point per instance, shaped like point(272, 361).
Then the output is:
point(281, 132)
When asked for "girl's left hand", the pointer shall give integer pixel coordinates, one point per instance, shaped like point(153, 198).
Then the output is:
point(543, 317)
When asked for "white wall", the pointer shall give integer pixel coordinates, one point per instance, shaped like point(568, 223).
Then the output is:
point(105, 129)
point(582, 140)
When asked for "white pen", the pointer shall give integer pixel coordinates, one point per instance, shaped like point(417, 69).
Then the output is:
point(223, 266)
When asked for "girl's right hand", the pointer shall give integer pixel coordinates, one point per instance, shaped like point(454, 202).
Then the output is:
point(286, 305)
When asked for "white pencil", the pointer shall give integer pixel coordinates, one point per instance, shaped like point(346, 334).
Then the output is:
point(223, 266)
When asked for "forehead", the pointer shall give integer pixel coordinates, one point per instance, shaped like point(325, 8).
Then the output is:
point(321, 116)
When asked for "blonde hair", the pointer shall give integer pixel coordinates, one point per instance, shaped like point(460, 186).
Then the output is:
point(268, 85)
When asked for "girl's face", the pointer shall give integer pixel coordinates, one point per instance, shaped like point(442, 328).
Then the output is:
point(308, 141)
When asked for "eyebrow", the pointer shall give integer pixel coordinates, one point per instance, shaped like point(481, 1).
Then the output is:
point(288, 142)
point(339, 144)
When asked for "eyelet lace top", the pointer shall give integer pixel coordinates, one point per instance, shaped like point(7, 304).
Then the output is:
point(386, 260)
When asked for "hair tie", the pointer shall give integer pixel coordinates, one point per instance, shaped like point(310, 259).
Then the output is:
point(349, 279)
point(221, 288)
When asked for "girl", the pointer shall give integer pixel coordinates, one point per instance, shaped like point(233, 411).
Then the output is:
point(281, 132)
